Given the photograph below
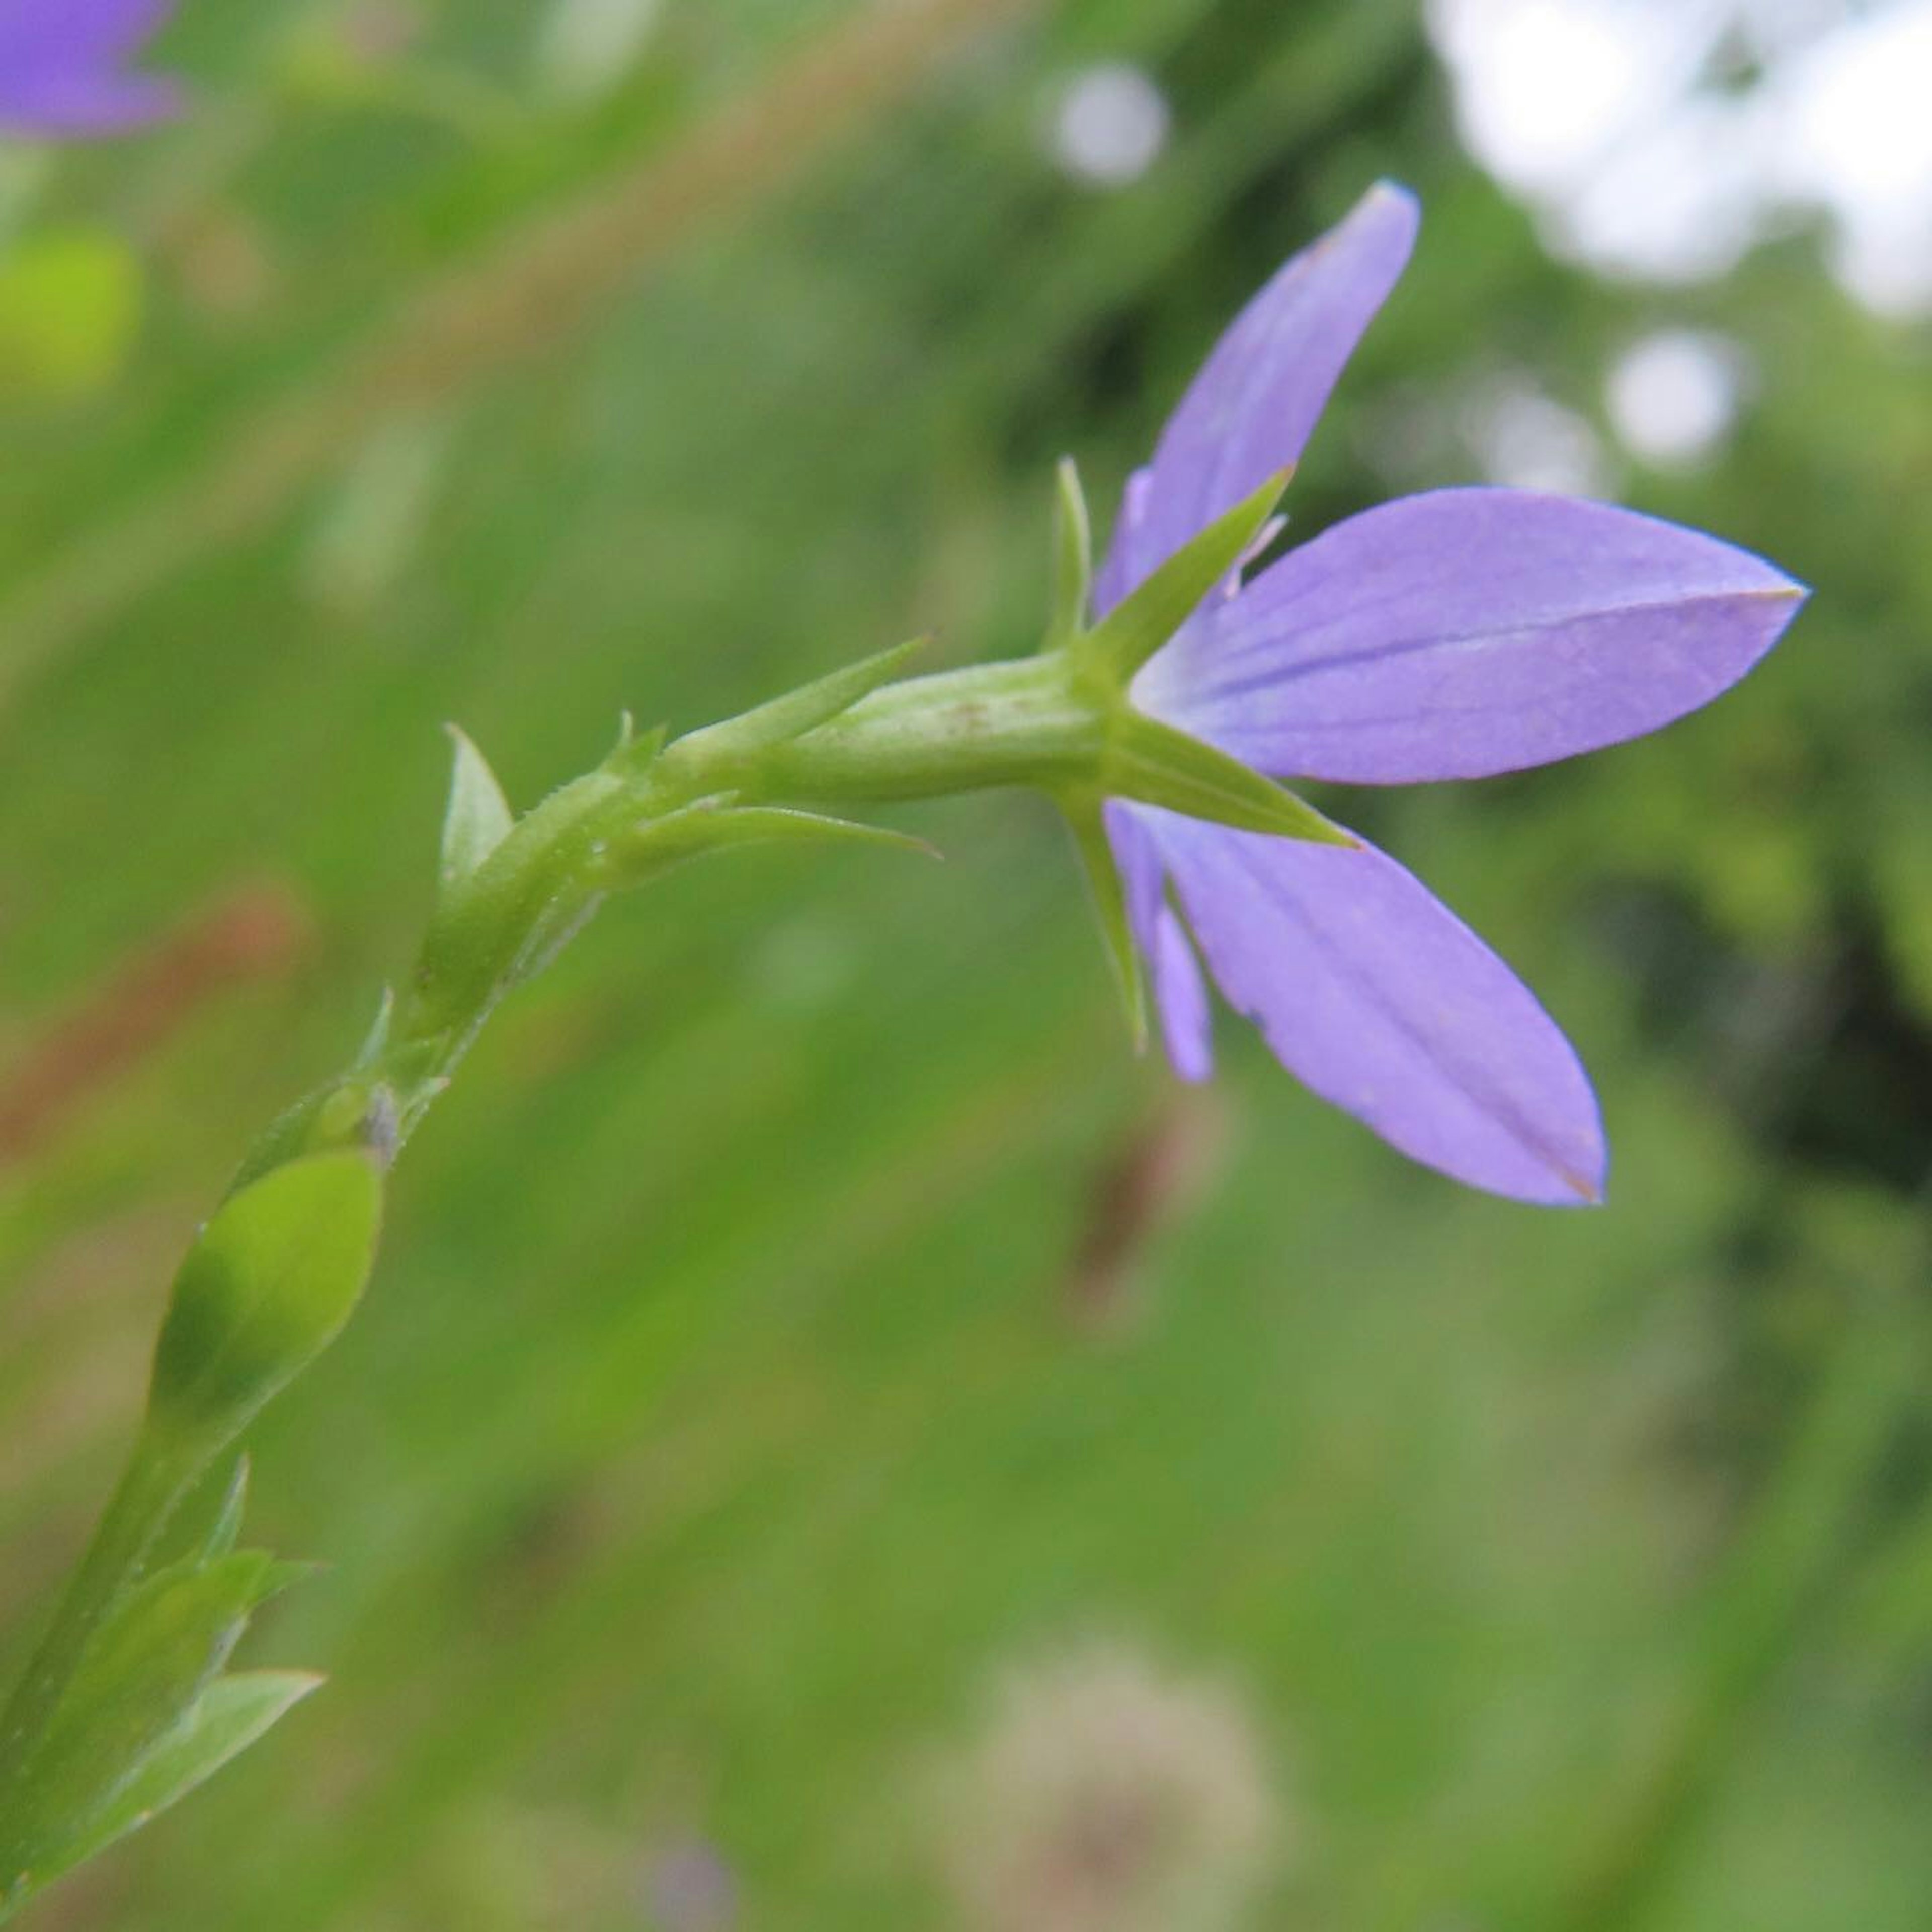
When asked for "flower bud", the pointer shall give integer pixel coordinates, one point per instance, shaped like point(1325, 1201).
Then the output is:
point(266, 1286)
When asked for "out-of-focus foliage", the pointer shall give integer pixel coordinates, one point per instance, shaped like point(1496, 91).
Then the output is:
point(805, 1310)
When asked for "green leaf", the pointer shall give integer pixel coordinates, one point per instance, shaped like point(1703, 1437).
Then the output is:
point(263, 1290)
point(478, 816)
point(715, 824)
point(792, 715)
point(1157, 765)
point(222, 1723)
point(376, 1041)
point(141, 1673)
point(220, 1538)
point(1140, 624)
point(1072, 557)
point(1109, 900)
point(759, 824)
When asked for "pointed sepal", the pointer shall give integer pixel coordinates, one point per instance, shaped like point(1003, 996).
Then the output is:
point(1154, 764)
point(1072, 558)
point(478, 817)
point(1140, 623)
point(1109, 897)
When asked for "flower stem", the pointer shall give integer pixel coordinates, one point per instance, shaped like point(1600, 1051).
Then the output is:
point(499, 923)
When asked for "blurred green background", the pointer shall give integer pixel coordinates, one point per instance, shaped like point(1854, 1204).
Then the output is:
point(805, 1314)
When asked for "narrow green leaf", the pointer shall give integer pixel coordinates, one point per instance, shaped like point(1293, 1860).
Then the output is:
point(716, 824)
point(1157, 765)
point(1072, 557)
point(222, 1532)
point(264, 1289)
point(1109, 901)
point(636, 752)
point(284, 1574)
point(796, 713)
point(1140, 624)
point(140, 1674)
point(376, 1041)
point(478, 816)
point(206, 1524)
point(759, 823)
point(228, 1717)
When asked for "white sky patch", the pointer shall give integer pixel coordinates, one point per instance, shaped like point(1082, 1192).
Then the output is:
point(1110, 125)
point(586, 47)
point(1613, 118)
point(1673, 397)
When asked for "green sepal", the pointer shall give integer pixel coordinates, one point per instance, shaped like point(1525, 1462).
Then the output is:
point(1155, 764)
point(794, 714)
point(165, 1641)
point(1072, 558)
point(265, 1288)
point(228, 1717)
point(1142, 622)
point(478, 817)
point(1108, 894)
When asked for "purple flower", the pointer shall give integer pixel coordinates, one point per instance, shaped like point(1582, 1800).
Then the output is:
point(63, 67)
point(1449, 635)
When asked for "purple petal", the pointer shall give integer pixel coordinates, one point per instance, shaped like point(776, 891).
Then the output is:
point(1372, 993)
point(48, 34)
point(86, 103)
point(1251, 409)
point(1180, 995)
point(1469, 631)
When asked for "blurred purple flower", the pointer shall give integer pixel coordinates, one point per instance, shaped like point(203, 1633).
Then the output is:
point(1449, 635)
point(691, 1889)
point(63, 67)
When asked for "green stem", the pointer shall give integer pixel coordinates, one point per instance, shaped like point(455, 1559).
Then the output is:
point(1022, 722)
point(1010, 724)
point(151, 1487)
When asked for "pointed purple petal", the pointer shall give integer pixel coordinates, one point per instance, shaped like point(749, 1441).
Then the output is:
point(1251, 409)
point(1180, 996)
point(1372, 993)
point(1469, 631)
